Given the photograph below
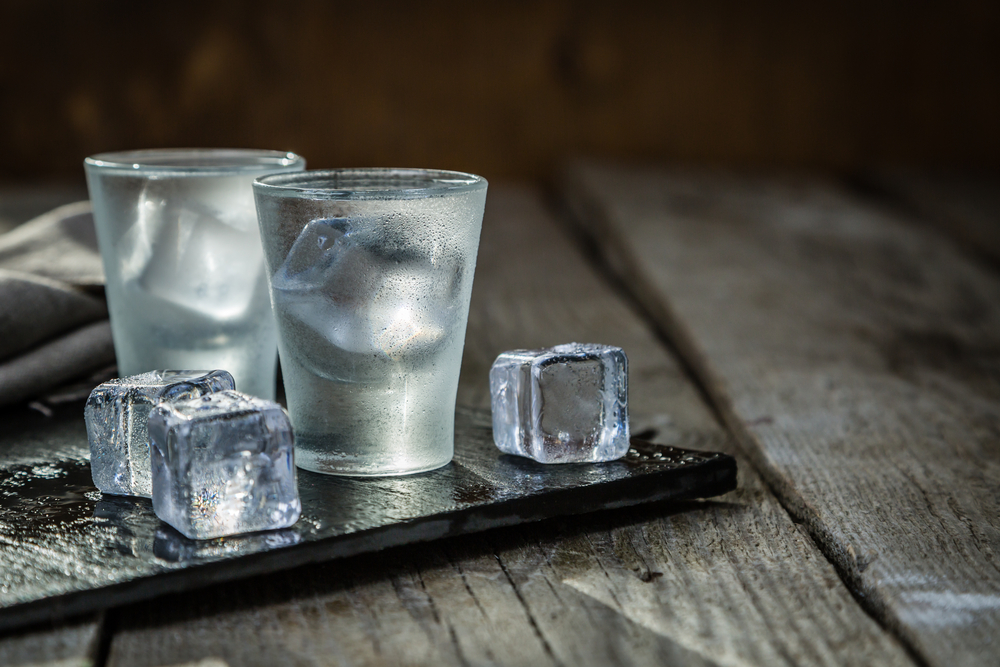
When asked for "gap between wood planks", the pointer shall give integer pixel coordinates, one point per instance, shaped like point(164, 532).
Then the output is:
point(569, 217)
point(586, 243)
point(527, 609)
point(106, 635)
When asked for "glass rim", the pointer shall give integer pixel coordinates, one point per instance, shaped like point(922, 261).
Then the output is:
point(193, 161)
point(373, 183)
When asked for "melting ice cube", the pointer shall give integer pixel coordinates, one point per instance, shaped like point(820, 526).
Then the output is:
point(199, 257)
point(116, 414)
point(222, 465)
point(364, 296)
point(564, 404)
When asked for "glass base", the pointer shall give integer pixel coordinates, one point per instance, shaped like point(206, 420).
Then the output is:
point(331, 464)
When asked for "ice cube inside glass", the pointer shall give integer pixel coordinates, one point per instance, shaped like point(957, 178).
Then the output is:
point(222, 465)
point(566, 404)
point(116, 414)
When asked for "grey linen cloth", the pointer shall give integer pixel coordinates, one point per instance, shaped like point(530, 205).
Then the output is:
point(53, 318)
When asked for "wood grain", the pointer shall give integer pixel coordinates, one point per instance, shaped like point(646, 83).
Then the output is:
point(855, 355)
point(73, 644)
point(965, 205)
point(708, 583)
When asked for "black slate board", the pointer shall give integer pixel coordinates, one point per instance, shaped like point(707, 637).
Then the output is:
point(66, 549)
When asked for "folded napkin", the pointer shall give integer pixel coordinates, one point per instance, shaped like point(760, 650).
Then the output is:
point(53, 318)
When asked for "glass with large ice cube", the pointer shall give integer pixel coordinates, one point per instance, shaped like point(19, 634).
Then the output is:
point(183, 262)
point(565, 404)
point(371, 274)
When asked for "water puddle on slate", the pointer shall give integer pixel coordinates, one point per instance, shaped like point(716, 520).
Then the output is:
point(36, 500)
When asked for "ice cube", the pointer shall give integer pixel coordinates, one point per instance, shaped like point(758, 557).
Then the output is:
point(362, 296)
point(116, 415)
point(222, 465)
point(194, 256)
point(564, 404)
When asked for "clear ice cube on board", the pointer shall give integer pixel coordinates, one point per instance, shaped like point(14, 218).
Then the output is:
point(116, 415)
point(223, 465)
point(565, 404)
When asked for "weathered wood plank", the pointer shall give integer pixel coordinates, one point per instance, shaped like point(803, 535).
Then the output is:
point(857, 358)
point(73, 644)
point(712, 583)
point(965, 205)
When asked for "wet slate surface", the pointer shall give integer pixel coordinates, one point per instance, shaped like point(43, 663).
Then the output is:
point(66, 549)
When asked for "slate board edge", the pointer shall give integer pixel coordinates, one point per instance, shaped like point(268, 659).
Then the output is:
point(715, 476)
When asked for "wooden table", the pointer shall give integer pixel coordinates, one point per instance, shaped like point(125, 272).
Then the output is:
point(845, 350)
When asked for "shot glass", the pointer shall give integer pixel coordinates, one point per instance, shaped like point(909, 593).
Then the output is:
point(183, 264)
point(371, 273)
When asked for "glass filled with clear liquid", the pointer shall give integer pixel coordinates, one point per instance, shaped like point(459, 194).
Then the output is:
point(183, 264)
point(371, 273)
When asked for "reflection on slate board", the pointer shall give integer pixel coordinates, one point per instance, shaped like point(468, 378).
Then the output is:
point(65, 548)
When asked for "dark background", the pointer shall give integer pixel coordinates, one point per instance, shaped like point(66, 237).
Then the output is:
point(506, 89)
